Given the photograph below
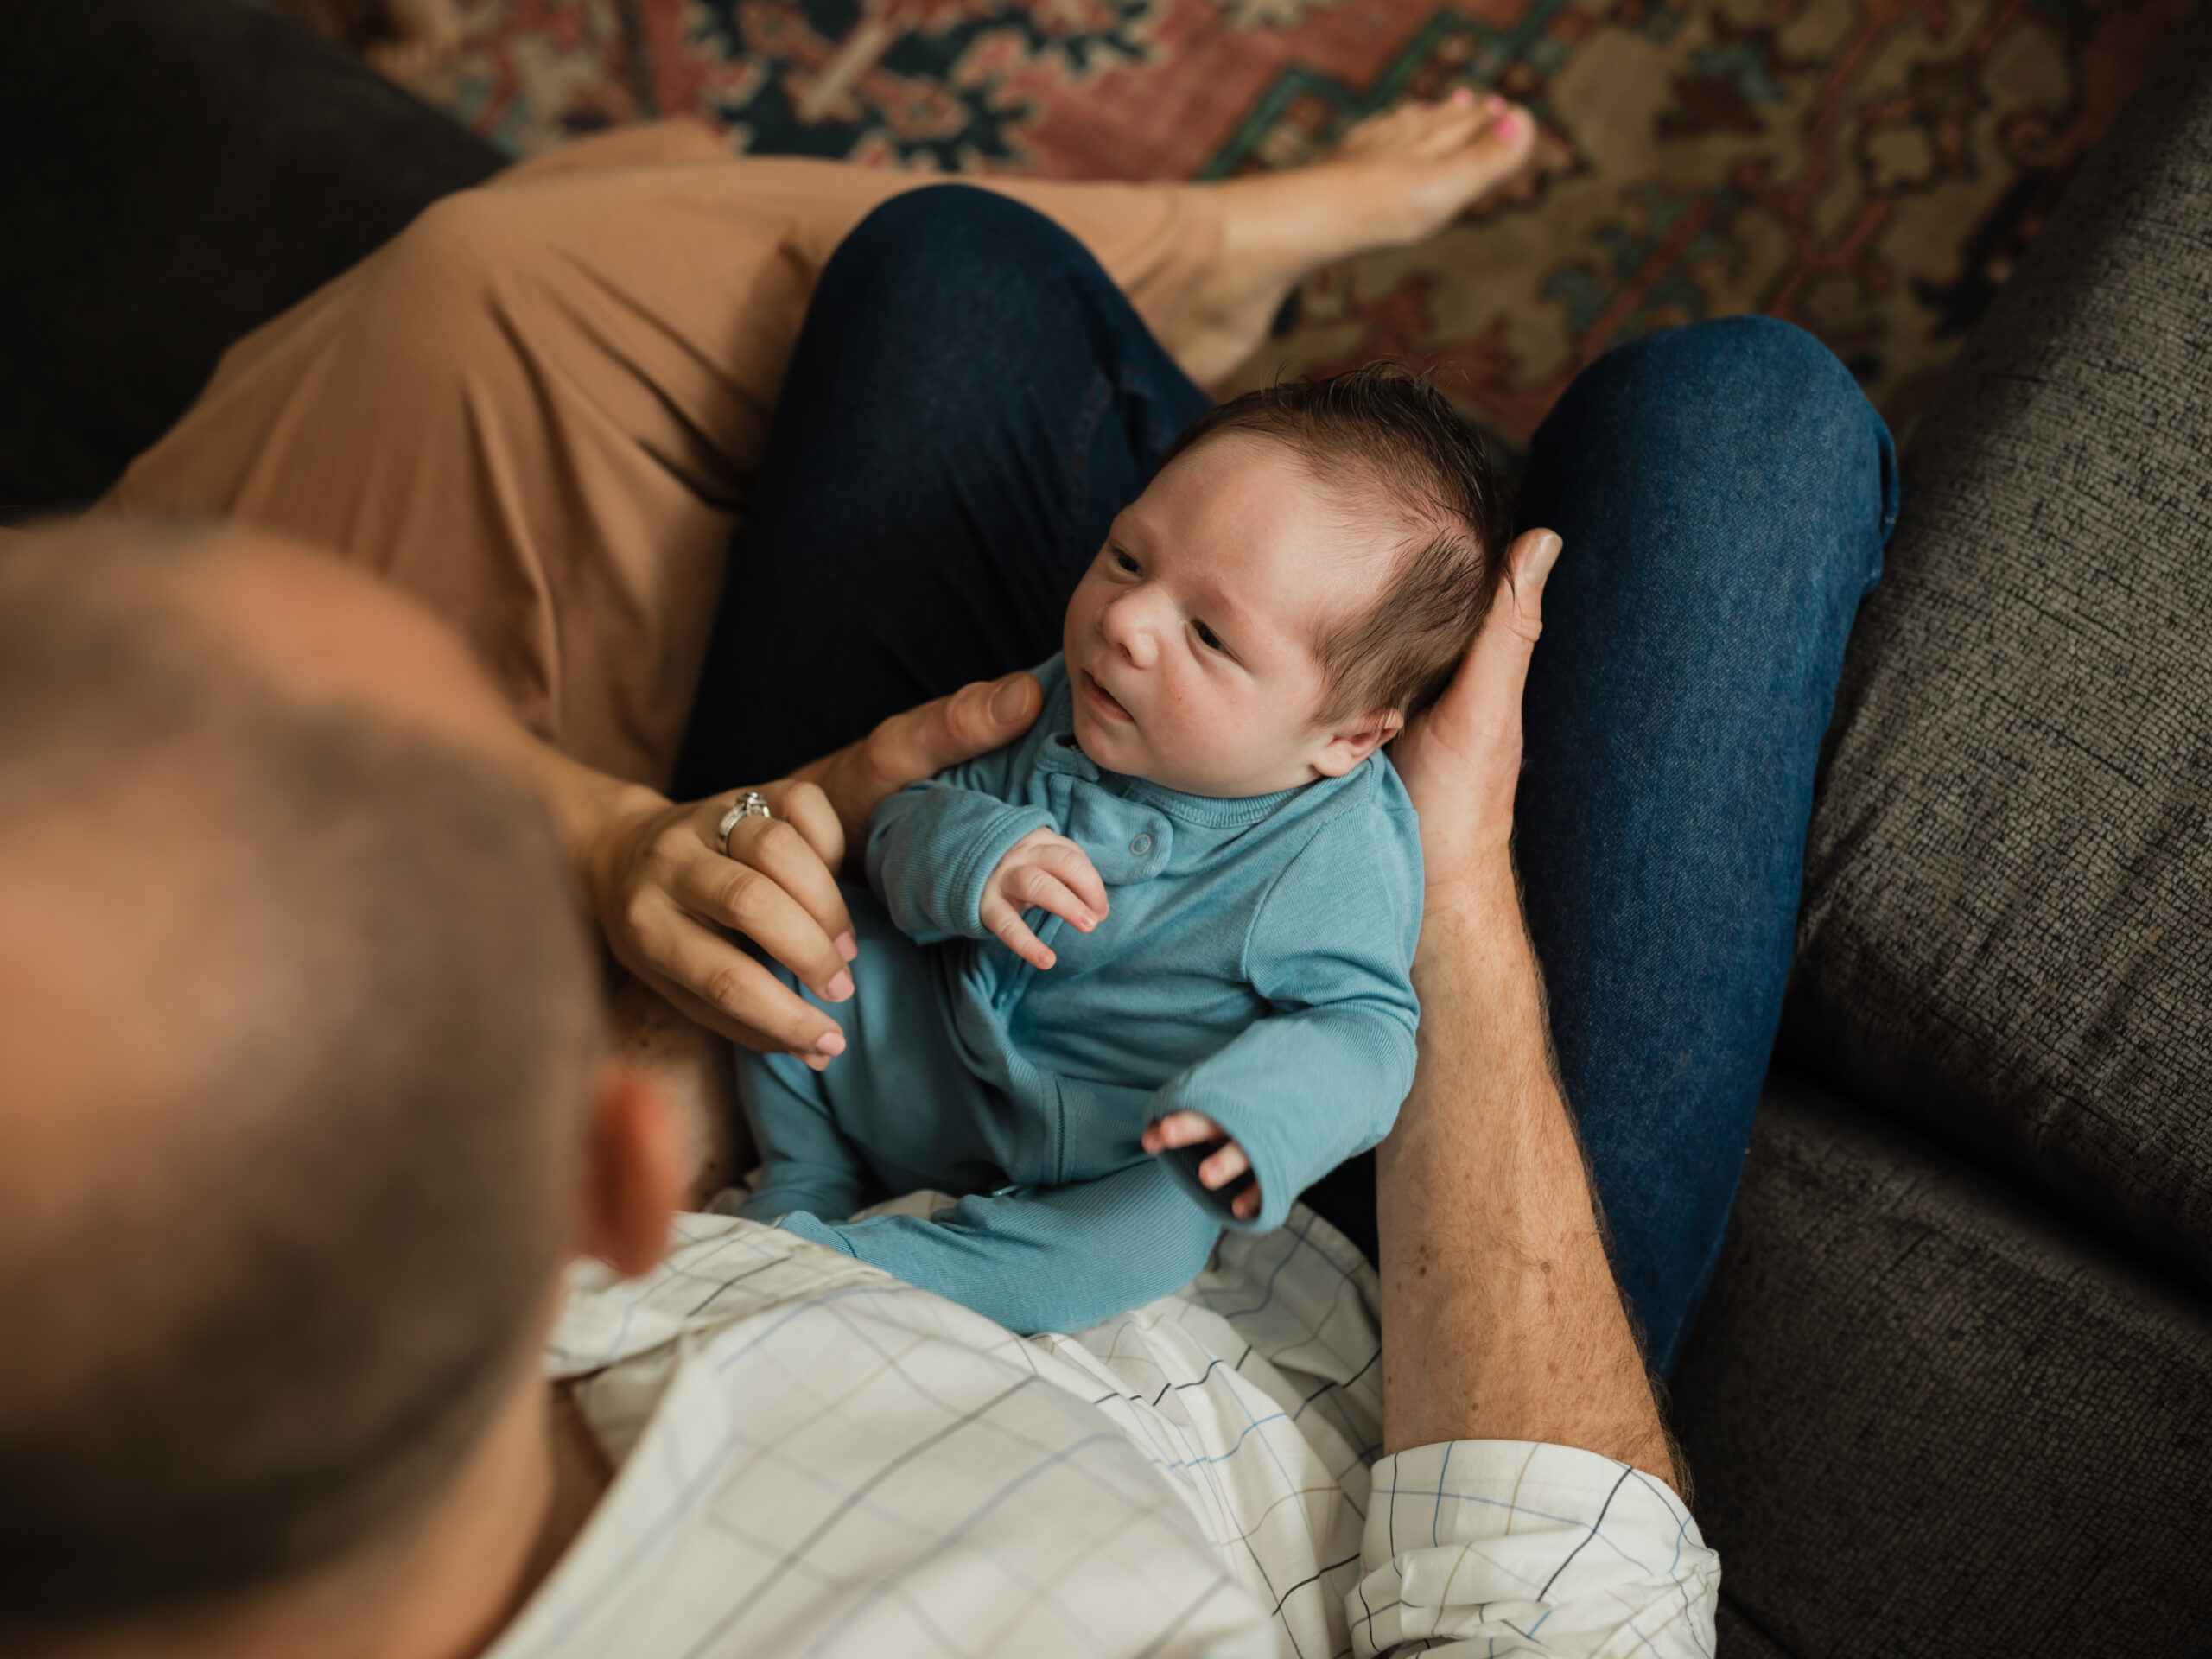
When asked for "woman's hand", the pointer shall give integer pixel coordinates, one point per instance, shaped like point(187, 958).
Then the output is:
point(1461, 760)
point(666, 896)
point(664, 890)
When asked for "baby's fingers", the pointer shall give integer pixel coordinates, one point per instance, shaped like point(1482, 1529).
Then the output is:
point(1032, 885)
point(1180, 1129)
point(1223, 1168)
point(1075, 870)
point(1003, 919)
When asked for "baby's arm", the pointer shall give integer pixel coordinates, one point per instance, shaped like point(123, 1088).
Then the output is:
point(1055, 1258)
point(1297, 1093)
point(950, 857)
point(933, 847)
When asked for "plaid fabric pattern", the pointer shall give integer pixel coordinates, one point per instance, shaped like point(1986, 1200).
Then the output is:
point(819, 1460)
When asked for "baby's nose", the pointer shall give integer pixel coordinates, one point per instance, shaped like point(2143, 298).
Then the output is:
point(1131, 630)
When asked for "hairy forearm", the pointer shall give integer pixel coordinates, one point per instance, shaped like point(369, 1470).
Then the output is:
point(1500, 1315)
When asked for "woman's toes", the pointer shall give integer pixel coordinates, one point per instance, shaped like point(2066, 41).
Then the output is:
point(1465, 126)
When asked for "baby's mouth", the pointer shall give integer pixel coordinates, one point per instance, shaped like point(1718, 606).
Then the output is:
point(1103, 701)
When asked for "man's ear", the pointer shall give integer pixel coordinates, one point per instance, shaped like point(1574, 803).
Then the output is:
point(634, 1174)
point(1353, 742)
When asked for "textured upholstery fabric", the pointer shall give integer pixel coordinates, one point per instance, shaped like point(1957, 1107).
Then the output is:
point(1925, 1420)
point(172, 174)
point(2006, 936)
point(1739, 1638)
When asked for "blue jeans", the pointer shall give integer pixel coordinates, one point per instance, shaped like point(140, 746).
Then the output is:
point(970, 402)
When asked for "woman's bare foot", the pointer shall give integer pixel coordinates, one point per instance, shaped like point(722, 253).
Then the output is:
point(1397, 177)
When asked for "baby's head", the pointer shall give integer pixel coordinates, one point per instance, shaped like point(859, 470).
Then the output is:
point(1300, 579)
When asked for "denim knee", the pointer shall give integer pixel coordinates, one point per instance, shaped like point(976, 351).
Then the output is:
point(954, 254)
point(1738, 400)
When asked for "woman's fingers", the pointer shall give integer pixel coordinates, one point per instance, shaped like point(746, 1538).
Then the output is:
point(795, 861)
point(807, 809)
point(734, 893)
point(716, 983)
point(1004, 920)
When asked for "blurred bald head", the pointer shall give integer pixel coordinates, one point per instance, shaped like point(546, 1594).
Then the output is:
point(297, 1032)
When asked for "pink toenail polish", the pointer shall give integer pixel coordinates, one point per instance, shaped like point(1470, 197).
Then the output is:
point(1463, 96)
point(1510, 124)
point(1495, 104)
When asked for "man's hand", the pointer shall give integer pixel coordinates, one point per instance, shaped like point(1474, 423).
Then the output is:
point(918, 744)
point(1501, 1320)
point(1047, 872)
point(1225, 1166)
point(1461, 760)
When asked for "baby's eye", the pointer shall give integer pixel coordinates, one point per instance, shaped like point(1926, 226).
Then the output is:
point(1122, 561)
point(1208, 637)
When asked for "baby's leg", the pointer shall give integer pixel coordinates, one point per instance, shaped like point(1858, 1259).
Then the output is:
point(899, 1109)
point(1059, 1258)
point(807, 1162)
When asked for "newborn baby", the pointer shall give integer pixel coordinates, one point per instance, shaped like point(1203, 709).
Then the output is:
point(1223, 870)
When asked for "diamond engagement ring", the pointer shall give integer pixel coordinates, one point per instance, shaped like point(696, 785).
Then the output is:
point(750, 804)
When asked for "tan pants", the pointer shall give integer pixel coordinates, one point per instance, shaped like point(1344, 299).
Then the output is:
point(540, 408)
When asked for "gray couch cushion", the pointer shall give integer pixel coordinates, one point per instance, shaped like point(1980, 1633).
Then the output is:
point(1925, 1417)
point(2007, 927)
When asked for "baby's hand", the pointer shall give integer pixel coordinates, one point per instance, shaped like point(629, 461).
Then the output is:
point(1045, 872)
point(1179, 1129)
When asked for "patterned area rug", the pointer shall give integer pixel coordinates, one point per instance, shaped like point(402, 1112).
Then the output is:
point(1869, 169)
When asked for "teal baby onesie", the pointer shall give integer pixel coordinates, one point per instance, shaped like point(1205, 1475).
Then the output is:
point(1255, 966)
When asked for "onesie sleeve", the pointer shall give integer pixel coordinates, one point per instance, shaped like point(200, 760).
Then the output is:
point(933, 846)
point(1322, 1076)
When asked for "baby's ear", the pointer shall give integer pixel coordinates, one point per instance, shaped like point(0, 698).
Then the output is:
point(1353, 740)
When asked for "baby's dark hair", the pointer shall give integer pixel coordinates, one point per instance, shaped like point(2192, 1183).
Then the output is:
point(1385, 430)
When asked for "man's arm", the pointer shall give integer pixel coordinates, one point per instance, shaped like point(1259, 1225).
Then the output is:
point(1501, 1320)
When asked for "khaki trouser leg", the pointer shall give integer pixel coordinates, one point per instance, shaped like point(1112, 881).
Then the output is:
point(539, 408)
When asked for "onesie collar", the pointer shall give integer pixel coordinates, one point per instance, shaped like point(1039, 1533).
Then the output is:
point(1063, 753)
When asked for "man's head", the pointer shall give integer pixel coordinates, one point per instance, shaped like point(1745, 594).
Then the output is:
point(1300, 579)
point(298, 1046)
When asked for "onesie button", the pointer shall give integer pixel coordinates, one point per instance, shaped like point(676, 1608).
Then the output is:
point(1141, 845)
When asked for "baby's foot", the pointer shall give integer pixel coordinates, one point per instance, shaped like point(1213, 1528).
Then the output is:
point(1396, 178)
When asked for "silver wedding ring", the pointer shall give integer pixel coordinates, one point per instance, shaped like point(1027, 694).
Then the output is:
point(750, 804)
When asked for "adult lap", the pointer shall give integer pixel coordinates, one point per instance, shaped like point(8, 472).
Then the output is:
point(970, 403)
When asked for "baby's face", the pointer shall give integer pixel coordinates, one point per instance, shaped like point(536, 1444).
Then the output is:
point(1192, 644)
